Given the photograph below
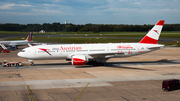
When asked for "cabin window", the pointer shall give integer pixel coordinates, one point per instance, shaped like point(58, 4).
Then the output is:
point(97, 50)
point(70, 50)
point(22, 50)
point(82, 50)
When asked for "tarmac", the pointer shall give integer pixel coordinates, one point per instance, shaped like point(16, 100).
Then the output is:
point(137, 78)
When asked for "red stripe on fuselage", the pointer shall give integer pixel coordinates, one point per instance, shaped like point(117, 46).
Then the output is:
point(45, 50)
point(148, 40)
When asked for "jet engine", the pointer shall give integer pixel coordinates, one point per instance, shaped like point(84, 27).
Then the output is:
point(79, 60)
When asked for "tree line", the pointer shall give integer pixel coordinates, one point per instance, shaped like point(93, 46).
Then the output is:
point(57, 27)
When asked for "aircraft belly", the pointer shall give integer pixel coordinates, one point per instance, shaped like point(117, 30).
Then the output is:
point(46, 56)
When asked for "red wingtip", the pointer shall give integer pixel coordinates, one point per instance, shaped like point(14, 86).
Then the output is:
point(161, 22)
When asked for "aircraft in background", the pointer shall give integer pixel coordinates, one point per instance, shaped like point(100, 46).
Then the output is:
point(96, 54)
point(15, 43)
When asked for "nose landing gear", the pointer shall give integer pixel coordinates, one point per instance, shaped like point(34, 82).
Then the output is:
point(32, 63)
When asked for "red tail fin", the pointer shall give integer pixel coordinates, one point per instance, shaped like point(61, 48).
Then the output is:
point(153, 35)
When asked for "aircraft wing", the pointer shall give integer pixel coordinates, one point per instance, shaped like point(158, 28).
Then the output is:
point(29, 45)
point(104, 55)
point(81, 59)
point(98, 55)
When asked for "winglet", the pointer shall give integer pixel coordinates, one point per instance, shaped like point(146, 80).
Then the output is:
point(29, 38)
point(153, 35)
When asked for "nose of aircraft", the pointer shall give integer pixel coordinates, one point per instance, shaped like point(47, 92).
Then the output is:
point(20, 54)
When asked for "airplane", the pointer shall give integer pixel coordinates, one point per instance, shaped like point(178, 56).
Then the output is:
point(94, 54)
point(16, 43)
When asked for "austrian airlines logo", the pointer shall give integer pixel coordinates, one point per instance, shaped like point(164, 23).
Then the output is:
point(156, 31)
point(45, 50)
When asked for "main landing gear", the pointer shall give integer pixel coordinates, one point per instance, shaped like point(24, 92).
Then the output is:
point(32, 63)
point(97, 62)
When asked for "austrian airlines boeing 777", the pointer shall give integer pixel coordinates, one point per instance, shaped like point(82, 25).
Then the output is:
point(96, 54)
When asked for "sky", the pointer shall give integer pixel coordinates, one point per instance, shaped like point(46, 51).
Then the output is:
point(90, 11)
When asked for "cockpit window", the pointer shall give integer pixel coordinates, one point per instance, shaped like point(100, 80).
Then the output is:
point(22, 50)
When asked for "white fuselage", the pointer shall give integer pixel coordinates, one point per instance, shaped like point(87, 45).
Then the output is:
point(14, 43)
point(66, 51)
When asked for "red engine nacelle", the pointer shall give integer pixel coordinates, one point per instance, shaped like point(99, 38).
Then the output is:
point(79, 60)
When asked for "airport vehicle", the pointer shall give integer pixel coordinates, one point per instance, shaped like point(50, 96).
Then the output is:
point(4, 49)
point(170, 84)
point(9, 64)
point(95, 54)
point(16, 43)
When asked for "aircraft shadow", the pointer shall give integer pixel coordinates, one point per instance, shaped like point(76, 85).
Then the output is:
point(115, 66)
point(118, 64)
point(163, 61)
point(50, 64)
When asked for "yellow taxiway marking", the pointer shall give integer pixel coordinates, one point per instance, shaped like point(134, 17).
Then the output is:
point(82, 92)
point(30, 93)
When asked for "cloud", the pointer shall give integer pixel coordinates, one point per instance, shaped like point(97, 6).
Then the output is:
point(137, 3)
point(122, 0)
point(86, 10)
point(46, 11)
point(23, 5)
point(91, 1)
point(18, 13)
point(57, 9)
point(7, 6)
point(35, 9)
